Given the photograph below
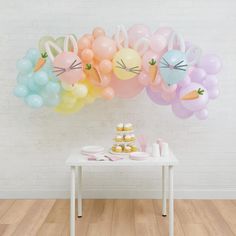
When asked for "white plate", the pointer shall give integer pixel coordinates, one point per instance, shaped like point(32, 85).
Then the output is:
point(139, 156)
point(119, 153)
point(92, 149)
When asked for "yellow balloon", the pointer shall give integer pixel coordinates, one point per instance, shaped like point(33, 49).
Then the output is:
point(126, 64)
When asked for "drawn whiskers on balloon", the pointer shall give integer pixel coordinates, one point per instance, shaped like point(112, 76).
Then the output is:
point(122, 66)
point(73, 66)
point(178, 66)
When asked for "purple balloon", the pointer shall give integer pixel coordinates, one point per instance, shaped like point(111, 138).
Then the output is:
point(210, 82)
point(213, 93)
point(210, 63)
point(202, 114)
point(180, 111)
point(156, 97)
point(197, 74)
point(185, 82)
point(195, 104)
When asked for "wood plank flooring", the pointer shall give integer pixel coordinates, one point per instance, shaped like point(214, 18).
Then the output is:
point(117, 218)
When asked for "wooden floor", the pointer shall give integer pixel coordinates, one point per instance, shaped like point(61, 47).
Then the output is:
point(117, 218)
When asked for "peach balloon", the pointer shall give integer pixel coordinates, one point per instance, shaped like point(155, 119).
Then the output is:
point(98, 31)
point(104, 48)
point(165, 31)
point(83, 43)
point(87, 55)
point(68, 67)
point(108, 93)
point(105, 66)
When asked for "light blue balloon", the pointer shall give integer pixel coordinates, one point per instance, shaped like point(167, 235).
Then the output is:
point(34, 101)
point(22, 79)
point(173, 66)
point(41, 78)
point(33, 55)
point(24, 66)
point(47, 67)
point(33, 86)
point(53, 87)
point(21, 91)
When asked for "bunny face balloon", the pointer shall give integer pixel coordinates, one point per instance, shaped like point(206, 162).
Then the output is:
point(67, 65)
point(173, 67)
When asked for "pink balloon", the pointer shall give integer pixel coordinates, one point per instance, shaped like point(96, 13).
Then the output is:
point(213, 93)
point(210, 63)
point(143, 78)
point(168, 89)
point(136, 32)
point(185, 82)
point(169, 97)
point(68, 67)
point(180, 111)
point(197, 74)
point(156, 97)
point(210, 82)
point(148, 56)
point(165, 31)
point(108, 93)
point(104, 48)
point(158, 43)
point(194, 104)
point(202, 114)
point(126, 88)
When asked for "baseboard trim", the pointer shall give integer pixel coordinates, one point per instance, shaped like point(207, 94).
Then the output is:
point(121, 194)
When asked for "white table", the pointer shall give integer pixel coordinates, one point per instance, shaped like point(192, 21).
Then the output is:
point(77, 161)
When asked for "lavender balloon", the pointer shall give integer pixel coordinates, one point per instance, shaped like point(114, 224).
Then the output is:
point(210, 82)
point(156, 97)
point(202, 114)
point(197, 74)
point(210, 63)
point(194, 97)
point(180, 111)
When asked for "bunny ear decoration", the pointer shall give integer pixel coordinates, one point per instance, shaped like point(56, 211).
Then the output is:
point(193, 55)
point(72, 39)
point(178, 39)
point(121, 36)
point(48, 46)
point(142, 45)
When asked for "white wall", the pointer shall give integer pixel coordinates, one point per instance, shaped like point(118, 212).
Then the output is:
point(34, 144)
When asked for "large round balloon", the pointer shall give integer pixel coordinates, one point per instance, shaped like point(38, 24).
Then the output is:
point(173, 66)
point(126, 64)
point(156, 97)
point(68, 67)
point(126, 88)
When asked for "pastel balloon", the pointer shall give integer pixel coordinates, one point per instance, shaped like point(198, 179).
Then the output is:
point(98, 31)
point(156, 97)
point(210, 82)
point(165, 31)
point(87, 55)
point(67, 87)
point(158, 43)
point(104, 48)
point(197, 74)
point(32, 86)
point(53, 87)
point(68, 67)
point(147, 57)
point(126, 64)
point(173, 67)
point(24, 66)
point(41, 78)
point(185, 82)
point(80, 91)
point(33, 54)
point(136, 32)
point(198, 100)
point(126, 88)
point(105, 66)
point(84, 43)
point(143, 78)
point(108, 93)
point(21, 91)
point(180, 111)
point(202, 114)
point(213, 93)
point(34, 101)
point(210, 63)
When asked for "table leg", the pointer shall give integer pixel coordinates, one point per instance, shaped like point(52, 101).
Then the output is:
point(79, 171)
point(171, 201)
point(163, 191)
point(72, 202)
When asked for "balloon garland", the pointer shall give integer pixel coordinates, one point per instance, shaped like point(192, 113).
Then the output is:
point(67, 73)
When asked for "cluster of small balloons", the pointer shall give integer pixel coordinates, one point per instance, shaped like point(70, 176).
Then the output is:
point(67, 73)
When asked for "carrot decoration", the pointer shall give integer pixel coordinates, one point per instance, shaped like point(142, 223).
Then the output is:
point(193, 94)
point(93, 73)
point(41, 61)
point(153, 69)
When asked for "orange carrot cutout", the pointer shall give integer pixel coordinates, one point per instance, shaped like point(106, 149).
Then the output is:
point(153, 69)
point(41, 61)
point(193, 94)
point(93, 73)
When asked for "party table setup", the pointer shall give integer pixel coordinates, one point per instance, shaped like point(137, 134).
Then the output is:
point(70, 72)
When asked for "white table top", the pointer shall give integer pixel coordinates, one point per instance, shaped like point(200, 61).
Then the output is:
point(78, 159)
